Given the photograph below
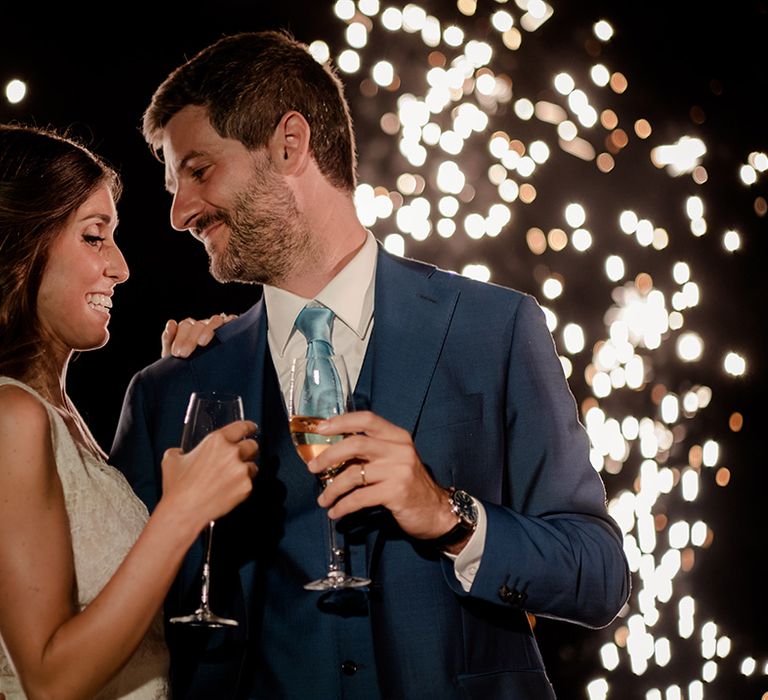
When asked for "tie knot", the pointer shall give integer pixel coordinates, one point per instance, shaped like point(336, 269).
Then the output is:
point(315, 323)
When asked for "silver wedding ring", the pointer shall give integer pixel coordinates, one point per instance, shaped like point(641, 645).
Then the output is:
point(363, 482)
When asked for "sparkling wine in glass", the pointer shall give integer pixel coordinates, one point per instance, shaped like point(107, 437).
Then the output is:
point(319, 389)
point(207, 412)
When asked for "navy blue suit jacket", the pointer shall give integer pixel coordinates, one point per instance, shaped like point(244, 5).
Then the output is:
point(470, 369)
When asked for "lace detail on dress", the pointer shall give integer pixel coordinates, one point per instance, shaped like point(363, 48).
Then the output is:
point(105, 518)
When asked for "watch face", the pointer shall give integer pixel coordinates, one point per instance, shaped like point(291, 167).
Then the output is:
point(464, 506)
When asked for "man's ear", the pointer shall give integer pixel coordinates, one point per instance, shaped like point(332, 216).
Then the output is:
point(289, 145)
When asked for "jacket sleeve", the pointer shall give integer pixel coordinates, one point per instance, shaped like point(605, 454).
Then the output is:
point(132, 450)
point(551, 547)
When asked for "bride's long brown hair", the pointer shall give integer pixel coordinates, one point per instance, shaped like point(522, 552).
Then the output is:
point(44, 178)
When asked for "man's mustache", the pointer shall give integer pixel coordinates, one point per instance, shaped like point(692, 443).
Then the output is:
point(207, 220)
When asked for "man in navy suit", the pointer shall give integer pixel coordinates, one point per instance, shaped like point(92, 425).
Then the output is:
point(469, 499)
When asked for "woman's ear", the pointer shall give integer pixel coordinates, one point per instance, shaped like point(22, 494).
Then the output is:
point(289, 145)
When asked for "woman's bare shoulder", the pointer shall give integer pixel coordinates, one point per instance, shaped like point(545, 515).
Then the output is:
point(24, 431)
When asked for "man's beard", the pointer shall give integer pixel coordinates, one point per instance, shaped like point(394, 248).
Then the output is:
point(269, 238)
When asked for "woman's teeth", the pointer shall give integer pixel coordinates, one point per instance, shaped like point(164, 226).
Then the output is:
point(100, 302)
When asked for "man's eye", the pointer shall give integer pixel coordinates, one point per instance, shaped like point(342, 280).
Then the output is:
point(198, 173)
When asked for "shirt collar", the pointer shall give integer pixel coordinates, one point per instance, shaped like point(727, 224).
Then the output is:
point(349, 295)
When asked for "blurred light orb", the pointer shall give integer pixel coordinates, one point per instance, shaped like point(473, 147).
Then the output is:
point(539, 151)
point(474, 225)
point(509, 190)
point(344, 9)
point(681, 272)
point(567, 130)
point(525, 166)
point(603, 30)
point(430, 33)
point(748, 175)
point(690, 347)
point(448, 206)
point(731, 241)
point(564, 83)
point(735, 364)
point(446, 227)
point(573, 337)
point(450, 179)
point(414, 18)
point(670, 409)
point(15, 91)
point(550, 317)
point(694, 207)
point(369, 7)
point(502, 21)
point(357, 35)
point(600, 75)
point(477, 272)
point(759, 161)
point(478, 52)
point(392, 19)
point(485, 84)
point(614, 268)
point(552, 288)
point(383, 73)
point(709, 671)
point(575, 215)
point(679, 158)
point(598, 688)
point(628, 221)
point(349, 61)
point(394, 243)
point(748, 666)
point(320, 51)
point(660, 239)
point(453, 36)
point(524, 109)
point(581, 239)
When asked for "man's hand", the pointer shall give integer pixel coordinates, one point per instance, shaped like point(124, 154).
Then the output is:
point(181, 338)
point(383, 469)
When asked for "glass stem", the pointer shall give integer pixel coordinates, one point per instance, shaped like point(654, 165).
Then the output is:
point(336, 564)
point(207, 566)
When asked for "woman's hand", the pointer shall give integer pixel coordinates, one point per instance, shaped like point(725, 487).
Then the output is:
point(180, 338)
point(215, 476)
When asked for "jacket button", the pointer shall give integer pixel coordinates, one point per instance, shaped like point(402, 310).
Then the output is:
point(349, 668)
point(512, 596)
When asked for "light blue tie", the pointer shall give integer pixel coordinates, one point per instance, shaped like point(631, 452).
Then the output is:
point(322, 396)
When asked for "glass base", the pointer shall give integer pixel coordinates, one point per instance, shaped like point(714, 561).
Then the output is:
point(204, 618)
point(336, 579)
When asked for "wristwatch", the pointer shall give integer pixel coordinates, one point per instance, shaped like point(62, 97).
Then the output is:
point(463, 507)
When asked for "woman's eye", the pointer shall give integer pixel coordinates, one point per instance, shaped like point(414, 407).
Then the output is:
point(92, 239)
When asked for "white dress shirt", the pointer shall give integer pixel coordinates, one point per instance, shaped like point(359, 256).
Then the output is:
point(350, 295)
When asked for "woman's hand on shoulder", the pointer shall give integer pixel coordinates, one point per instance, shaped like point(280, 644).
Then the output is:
point(180, 338)
point(214, 477)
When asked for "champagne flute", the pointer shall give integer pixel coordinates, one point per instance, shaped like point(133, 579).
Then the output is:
point(207, 412)
point(319, 389)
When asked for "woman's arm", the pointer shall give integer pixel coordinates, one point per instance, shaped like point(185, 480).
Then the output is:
point(55, 649)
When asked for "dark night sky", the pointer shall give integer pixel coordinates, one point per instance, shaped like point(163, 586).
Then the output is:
point(96, 75)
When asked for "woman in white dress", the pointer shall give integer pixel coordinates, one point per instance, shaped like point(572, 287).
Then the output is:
point(83, 569)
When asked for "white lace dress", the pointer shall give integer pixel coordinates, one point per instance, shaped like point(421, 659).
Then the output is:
point(105, 519)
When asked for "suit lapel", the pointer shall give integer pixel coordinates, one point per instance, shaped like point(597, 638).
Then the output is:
point(413, 313)
point(412, 317)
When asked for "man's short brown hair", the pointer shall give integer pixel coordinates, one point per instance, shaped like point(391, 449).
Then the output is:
point(247, 82)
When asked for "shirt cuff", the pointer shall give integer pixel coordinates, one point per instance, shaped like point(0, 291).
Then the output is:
point(467, 562)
